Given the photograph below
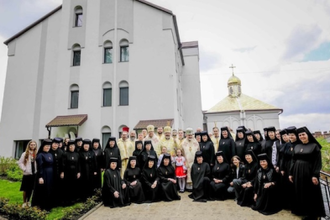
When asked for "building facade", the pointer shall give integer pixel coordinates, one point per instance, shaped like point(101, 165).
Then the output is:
point(89, 68)
point(238, 109)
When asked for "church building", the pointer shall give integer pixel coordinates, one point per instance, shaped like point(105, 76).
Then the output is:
point(90, 68)
point(238, 109)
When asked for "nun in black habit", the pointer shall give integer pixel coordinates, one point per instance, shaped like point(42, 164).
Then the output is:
point(43, 192)
point(88, 170)
point(258, 135)
point(285, 165)
point(266, 188)
point(245, 190)
point(305, 175)
point(132, 178)
point(111, 150)
point(240, 141)
point(150, 180)
point(137, 152)
point(71, 173)
point(252, 143)
point(148, 149)
point(200, 172)
point(114, 190)
point(207, 148)
point(220, 178)
point(167, 179)
point(272, 148)
point(97, 149)
point(227, 144)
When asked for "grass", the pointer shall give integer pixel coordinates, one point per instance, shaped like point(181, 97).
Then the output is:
point(10, 190)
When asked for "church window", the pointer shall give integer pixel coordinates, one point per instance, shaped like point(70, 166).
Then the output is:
point(74, 96)
point(107, 57)
point(107, 94)
point(123, 93)
point(124, 52)
point(78, 16)
point(76, 55)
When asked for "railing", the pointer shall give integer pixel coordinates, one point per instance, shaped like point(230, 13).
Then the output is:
point(325, 187)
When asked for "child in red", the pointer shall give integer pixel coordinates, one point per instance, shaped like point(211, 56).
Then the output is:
point(180, 170)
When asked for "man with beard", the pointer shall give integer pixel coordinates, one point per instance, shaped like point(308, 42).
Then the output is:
point(168, 141)
point(126, 149)
point(153, 138)
point(160, 134)
point(190, 146)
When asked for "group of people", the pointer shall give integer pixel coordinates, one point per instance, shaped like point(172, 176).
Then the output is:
point(279, 170)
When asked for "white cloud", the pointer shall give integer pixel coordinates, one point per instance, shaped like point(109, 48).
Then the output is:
point(307, 120)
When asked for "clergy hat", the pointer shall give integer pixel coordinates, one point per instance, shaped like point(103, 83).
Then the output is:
point(219, 153)
point(272, 128)
point(189, 131)
point(284, 131)
point(126, 129)
point(57, 140)
point(256, 132)
point(147, 142)
point(87, 141)
point(291, 129)
point(151, 157)
point(265, 129)
point(224, 128)
point(112, 139)
point(263, 156)
point(248, 133)
point(132, 158)
point(242, 127)
point(71, 142)
point(199, 154)
point(150, 128)
point(113, 159)
point(78, 139)
point(166, 155)
point(167, 129)
point(96, 140)
point(46, 142)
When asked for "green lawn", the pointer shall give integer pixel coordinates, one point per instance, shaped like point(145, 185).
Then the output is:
point(10, 190)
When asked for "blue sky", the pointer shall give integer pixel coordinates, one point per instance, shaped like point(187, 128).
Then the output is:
point(281, 49)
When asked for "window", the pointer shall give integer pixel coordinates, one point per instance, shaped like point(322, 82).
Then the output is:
point(107, 57)
point(123, 93)
point(107, 94)
point(124, 52)
point(20, 147)
point(76, 55)
point(106, 134)
point(78, 16)
point(74, 99)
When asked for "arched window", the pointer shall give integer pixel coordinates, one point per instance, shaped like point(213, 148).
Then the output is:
point(106, 134)
point(107, 94)
point(107, 56)
point(124, 55)
point(74, 96)
point(76, 49)
point(78, 12)
point(123, 93)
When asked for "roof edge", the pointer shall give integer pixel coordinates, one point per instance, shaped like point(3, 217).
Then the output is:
point(248, 110)
point(32, 25)
point(156, 6)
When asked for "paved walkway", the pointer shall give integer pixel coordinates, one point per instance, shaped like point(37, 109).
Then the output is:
point(184, 209)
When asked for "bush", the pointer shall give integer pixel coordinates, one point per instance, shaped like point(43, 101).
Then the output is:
point(10, 168)
point(325, 154)
point(15, 211)
point(5, 164)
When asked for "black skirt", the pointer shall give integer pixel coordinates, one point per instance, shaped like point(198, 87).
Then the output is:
point(28, 182)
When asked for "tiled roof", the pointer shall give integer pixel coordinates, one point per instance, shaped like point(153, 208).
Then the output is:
point(157, 123)
point(67, 120)
point(243, 102)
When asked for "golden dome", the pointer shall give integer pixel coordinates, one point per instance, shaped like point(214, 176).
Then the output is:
point(233, 80)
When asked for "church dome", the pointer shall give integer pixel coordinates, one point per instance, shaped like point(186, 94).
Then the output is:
point(233, 80)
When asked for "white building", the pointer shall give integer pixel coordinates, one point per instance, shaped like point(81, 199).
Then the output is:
point(239, 109)
point(88, 68)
